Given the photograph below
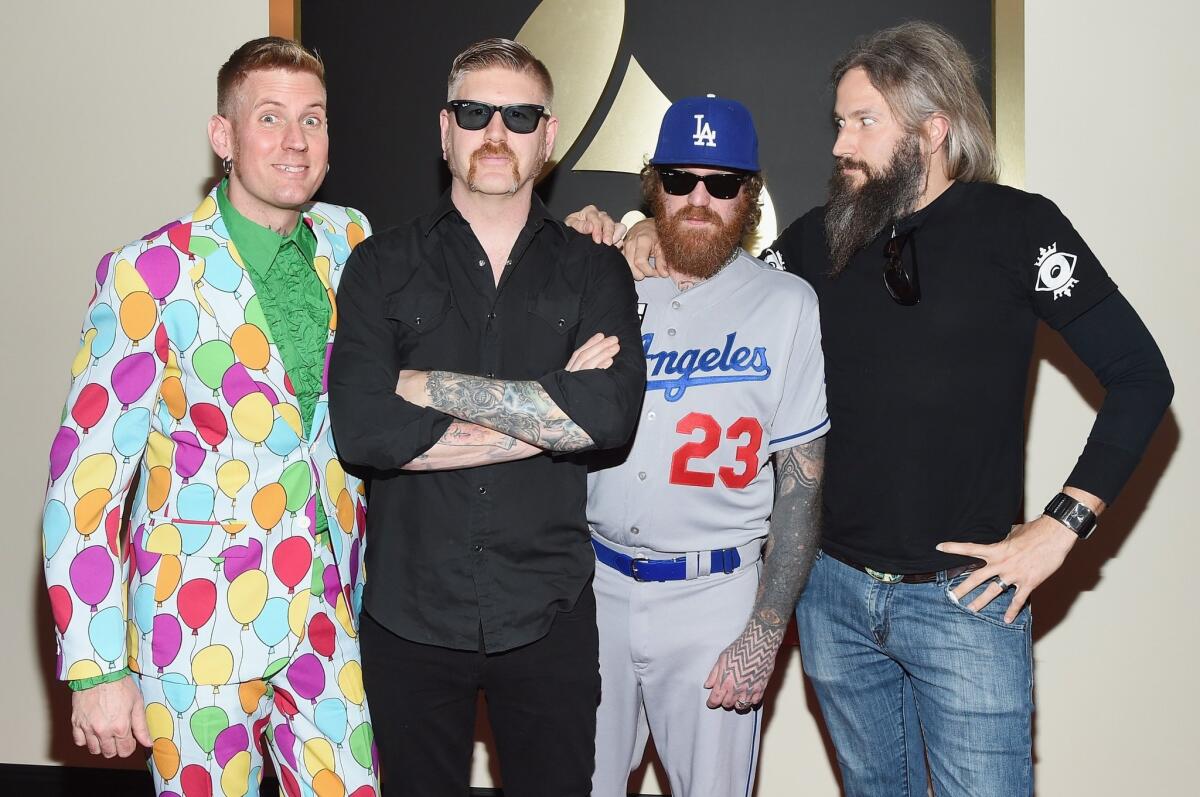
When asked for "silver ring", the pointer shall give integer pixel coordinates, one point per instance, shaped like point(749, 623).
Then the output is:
point(1004, 585)
point(741, 705)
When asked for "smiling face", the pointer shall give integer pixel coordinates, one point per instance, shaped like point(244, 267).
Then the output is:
point(495, 161)
point(277, 135)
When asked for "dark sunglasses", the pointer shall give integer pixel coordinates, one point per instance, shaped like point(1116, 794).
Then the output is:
point(905, 289)
point(723, 185)
point(520, 118)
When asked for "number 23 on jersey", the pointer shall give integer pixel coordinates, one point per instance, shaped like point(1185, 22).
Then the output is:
point(689, 463)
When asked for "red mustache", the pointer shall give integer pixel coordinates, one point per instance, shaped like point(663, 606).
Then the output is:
point(697, 214)
point(493, 149)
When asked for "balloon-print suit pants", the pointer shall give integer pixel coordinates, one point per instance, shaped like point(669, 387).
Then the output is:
point(311, 717)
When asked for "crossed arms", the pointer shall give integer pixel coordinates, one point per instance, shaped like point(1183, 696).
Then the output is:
point(498, 420)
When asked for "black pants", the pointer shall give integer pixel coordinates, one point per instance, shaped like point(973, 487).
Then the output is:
point(541, 699)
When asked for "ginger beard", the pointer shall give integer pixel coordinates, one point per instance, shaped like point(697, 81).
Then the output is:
point(698, 253)
point(857, 212)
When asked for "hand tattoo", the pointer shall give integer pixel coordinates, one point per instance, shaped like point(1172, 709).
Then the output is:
point(519, 409)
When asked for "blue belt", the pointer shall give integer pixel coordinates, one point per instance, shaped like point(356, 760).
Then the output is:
point(724, 561)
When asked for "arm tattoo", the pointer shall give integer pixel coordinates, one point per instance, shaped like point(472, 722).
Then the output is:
point(518, 409)
point(466, 445)
point(795, 531)
point(788, 557)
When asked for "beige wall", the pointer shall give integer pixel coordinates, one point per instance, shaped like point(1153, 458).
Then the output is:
point(110, 99)
point(106, 105)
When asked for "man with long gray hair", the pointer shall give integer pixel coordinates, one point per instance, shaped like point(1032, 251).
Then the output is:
point(931, 280)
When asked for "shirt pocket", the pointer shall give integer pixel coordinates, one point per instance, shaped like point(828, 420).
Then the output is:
point(419, 311)
point(559, 313)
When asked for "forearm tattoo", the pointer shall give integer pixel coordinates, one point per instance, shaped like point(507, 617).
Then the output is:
point(519, 409)
point(465, 444)
point(787, 560)
point(795, 531)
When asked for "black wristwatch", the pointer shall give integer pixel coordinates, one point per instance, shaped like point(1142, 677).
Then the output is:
point(1072, 514)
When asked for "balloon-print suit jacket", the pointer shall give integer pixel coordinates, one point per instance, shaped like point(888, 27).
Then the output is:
point(178, 377)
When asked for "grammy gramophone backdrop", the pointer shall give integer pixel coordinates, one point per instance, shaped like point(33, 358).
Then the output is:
point(106, 107)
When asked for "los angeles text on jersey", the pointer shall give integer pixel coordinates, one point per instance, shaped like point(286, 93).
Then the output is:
point(679, 369)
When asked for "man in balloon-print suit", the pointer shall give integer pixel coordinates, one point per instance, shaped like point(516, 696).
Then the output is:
point(222, 621)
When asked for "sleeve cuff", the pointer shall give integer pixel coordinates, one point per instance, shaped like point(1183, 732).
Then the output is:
point(79, 684)
point(1102, 470)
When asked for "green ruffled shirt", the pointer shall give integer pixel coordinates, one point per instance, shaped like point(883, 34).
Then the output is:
point(296, 307)
point(293, 301)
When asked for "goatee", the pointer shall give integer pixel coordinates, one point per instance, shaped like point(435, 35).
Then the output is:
point(855, 214)
point(699, 253)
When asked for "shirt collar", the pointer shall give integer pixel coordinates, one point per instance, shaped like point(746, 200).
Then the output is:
point(259, 245)
point(946, 200)
point(539, 215)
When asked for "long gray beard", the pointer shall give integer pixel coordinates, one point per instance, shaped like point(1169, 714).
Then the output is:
point(855, 215)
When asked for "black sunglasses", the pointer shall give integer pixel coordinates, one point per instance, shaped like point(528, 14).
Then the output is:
point(723, 185)
point(519, 118)
point(905, 289)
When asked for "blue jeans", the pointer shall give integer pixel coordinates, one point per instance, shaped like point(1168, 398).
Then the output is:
point(970, 678)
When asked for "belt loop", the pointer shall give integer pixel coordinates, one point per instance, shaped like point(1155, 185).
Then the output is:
point(691, 566)
point(727, 560)
point(704, 563)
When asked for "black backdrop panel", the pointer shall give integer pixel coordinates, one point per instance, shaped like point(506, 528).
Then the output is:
point(387, 65)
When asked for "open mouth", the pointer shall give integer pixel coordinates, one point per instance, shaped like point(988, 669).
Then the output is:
point(287, 169)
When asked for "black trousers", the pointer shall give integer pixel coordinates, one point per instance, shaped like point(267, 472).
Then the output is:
point(541, 700)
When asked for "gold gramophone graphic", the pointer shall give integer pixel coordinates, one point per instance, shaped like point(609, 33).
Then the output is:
point(579, 41)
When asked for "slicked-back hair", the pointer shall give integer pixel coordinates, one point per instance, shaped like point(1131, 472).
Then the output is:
point(269, 52)
point(498, 53)
point(921, 70)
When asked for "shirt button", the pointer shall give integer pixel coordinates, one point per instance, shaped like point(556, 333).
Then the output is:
point(491, 316)
point(476, 548)
point(671, 331)
point(508, 262)
point(482, 263)
point(562, 322)
point(482, 490)
point(642, 475)
point(674, 305)
point(635, 530)
point(490, 375)
point(650, 415)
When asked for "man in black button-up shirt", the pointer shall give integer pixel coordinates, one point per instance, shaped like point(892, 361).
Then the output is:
point(478, 346)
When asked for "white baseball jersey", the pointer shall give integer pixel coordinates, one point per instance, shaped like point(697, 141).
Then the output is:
point(734, 373)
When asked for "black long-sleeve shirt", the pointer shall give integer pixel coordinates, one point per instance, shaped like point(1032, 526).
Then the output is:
point(485, 557)
point(927, 402)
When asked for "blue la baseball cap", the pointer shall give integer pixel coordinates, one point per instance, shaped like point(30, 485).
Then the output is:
point(707, 131)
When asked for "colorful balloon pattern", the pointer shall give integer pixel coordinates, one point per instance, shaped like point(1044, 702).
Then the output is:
point(222, 580)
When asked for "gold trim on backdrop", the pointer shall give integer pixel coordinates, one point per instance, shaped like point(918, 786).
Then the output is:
point(284, 18)
point(577, 40)
point(1008, 74)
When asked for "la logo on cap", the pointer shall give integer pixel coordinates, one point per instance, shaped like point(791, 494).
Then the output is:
point(704, 136)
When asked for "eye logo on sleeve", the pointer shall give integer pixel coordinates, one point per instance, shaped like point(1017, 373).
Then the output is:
point(1055, 271)
point(774, 259)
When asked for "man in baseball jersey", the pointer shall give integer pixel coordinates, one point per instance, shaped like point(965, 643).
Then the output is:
point(693, 586)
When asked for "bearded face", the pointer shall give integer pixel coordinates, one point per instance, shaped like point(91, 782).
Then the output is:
point(698, 237)
point(863, 201)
